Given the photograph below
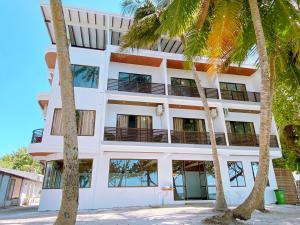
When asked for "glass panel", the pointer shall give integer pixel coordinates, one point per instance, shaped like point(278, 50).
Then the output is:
point(223, 86)
point(249, 128)
point(179, 193)
point(241, 87)
point(175, 81)
point(54, 170)
point(193, 179)
point(236, 174)
point(124, 76)
point(133, 173)
point(85, 173)
point(231, 87)
point(212, 193)
point(238, 127)
point(85, 76)
point(117, 170)
point(255, 166)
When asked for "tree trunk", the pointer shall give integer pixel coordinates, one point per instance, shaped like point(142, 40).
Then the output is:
point(221, 204)
point(255, 198)
point(70, 184)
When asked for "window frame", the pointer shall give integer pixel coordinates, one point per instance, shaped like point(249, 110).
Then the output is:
point(122, 114)
point(243, 174)
point(243, 123)
point(235, 84)
point(111, 159)
point(77, 110)
point(202, 121)
point(45, 170)
point(135, 74)
point(254, 175)
point(73, 73)
point(186, 79)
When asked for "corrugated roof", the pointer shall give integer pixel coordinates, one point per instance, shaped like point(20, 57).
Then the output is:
point(23, 174)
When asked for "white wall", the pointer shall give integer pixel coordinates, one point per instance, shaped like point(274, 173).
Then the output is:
point(102, 196)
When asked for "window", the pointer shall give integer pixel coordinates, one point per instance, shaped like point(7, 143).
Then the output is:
point(232, 86)
point(240, 127)
point(134, 121)
point(186, 124)
point(135, 77)
point(236, 174)
point(85, 76)
point(255, 166)
point(54, 170)
point(183, 82)
point(11, 187)
point(132, 173)
point(85, 122)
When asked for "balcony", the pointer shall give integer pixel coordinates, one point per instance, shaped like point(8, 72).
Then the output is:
point(135, 134)
point(37, 136)
point(133, 86)
point(240, 95)
point(249, 140)
point(195, 137)
point(180, 90)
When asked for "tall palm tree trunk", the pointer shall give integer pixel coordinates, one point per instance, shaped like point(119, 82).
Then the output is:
point(70, 184)
point(255, 198)
point(220, 204)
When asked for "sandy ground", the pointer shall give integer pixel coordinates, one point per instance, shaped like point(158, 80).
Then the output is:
point(172, 215)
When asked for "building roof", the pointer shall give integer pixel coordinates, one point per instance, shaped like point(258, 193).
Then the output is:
point(22, 174)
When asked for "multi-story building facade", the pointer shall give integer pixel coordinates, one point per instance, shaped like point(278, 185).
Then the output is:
point(142, 131)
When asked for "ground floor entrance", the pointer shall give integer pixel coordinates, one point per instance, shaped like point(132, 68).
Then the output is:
point(193, 180)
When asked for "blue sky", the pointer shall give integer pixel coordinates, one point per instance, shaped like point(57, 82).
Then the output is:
point(23, 40)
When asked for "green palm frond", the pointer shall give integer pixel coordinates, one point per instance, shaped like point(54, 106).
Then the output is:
point(225, 29)
point(178, 17)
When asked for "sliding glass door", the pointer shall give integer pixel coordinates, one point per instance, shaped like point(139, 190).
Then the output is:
point(193, 180)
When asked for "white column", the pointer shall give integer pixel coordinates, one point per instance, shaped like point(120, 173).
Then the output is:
point(167, 116)
point(222, 118)
point(163, 66)
point(107, 28)
point(218, 85)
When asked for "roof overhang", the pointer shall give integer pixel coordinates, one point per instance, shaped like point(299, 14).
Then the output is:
point(244, 71)
point(136, 59)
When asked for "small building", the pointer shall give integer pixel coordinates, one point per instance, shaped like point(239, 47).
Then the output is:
point(19, 187)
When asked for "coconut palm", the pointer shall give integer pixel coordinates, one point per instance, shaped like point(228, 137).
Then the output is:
point(230, 30)
point(70, 184)
point(147, 21)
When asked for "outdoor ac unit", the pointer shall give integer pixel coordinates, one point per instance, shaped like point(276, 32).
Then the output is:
point(226, 111)
point(160, 110)
point(214, 113)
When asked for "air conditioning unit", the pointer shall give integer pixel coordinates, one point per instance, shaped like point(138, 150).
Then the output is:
point(226, 111)
point(160, 110)
point(214, 113)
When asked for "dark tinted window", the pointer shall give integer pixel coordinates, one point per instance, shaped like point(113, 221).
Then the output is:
point(85, 76)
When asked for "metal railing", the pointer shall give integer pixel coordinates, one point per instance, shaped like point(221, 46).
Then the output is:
point(37, 136)
point(240, 95)
point(135, 134)
point(180, 90)
point(133, 86)
point(196, 137)
point(249, 140)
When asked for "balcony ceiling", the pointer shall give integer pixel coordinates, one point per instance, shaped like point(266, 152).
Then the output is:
point(88, 29)
point(135, 59)
point(178, 64)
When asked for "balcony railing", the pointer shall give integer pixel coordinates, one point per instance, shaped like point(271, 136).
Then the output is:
point(133, 86)
point(240, 95)
point(194, 137)
point(180, 90)
point(135, 134)
point(37, 136)
point(249, 140)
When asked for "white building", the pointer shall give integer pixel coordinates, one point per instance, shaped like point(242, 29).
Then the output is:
point(19, 187)
point(142, 133)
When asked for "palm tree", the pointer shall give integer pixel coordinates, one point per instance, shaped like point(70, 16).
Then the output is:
point(230, 31)
point(146, 22)
point(70, 187)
